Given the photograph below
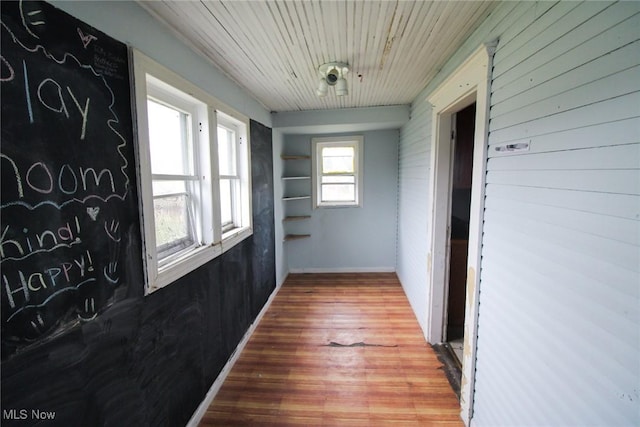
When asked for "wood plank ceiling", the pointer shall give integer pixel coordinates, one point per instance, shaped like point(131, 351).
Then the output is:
point(273, 48)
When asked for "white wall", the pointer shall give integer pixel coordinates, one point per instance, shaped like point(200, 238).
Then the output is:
point(559, 316)
point(282, 262)
point(353, 239)
point(413, 187)
point(127, 22)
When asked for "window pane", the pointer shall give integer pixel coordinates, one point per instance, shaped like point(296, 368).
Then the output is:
point(338, 193)
point(226, 201)
point(226, 151)
point(169, 140)
point(168, 187)
point(337, 151)
point(338, 179)
point(173, 226)
point(338, 160)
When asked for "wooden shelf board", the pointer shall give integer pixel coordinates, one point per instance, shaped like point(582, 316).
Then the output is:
point(294, 157)
point(296, 217)
point(296, 198)
point(296, 236)
point(287, 178)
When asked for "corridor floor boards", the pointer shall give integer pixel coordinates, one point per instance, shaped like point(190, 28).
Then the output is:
point(337, 350)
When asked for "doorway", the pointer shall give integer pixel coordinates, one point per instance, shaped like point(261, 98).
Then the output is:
point(466, 85)
point(463, 124)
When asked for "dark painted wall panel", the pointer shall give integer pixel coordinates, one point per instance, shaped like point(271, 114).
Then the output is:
point(68, 205)
point(151, 360)
point(143, 361)
point(263, 248)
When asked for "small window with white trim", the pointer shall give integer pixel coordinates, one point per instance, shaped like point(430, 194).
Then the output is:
point(337, 171)
point(194, 184)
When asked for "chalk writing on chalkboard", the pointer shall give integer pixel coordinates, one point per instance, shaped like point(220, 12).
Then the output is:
point(66, 203)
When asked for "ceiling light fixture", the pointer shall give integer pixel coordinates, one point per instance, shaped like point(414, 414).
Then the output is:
point(333, 74)
point(323, 87)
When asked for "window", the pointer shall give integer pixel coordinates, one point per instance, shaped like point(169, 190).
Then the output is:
point(176, 185)
point(229, 178)
point(194, 184)
point(337, 171)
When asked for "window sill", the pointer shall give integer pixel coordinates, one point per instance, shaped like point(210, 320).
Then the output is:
point(235, 236)
point(179, 267)
point(335, 205)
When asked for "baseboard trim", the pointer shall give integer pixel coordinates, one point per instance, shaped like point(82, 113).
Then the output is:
point(344, 270)
point(217, 384)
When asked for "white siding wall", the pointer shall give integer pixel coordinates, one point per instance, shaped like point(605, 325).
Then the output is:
point(559, 318)
point(559, 315)
point(414, 168)
point(413, 178)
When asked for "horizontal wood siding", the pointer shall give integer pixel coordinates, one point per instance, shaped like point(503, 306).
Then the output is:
point(559, 321)
point(414, 169)
point(559, 317)
point(413, 180)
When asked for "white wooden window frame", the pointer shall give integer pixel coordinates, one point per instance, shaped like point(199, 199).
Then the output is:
point(153, 79)
point(357, 142)
point(194, 184)
point(236, 177)
point(241, 203)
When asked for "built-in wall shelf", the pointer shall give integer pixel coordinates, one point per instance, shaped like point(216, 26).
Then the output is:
point(294, 157)
point(290, 178)
point(296, 184)
point(296, 236)
point(296, 198)
point(297, 217)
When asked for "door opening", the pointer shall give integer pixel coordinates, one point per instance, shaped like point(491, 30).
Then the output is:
point(463, 124)
point(469, 83)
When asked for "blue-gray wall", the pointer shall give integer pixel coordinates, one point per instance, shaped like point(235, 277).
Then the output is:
point(354, 238)
point(340, 240)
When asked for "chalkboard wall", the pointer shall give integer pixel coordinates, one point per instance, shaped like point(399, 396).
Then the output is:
point(101, 353)
point(68, 204)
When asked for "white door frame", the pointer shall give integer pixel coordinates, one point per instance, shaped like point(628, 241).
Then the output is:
point(468, 83)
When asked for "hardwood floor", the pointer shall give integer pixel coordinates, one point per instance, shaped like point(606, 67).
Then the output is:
point(337, 350)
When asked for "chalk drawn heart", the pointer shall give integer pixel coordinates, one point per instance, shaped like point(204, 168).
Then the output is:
point(93, 212)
